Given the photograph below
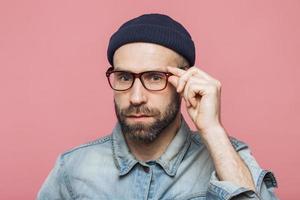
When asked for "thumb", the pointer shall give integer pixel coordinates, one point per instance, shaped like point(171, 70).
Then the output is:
point(173, 80)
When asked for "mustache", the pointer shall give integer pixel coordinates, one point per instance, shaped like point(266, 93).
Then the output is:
point(139, 110)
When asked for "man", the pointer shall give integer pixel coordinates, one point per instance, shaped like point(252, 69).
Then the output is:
point(152, 153)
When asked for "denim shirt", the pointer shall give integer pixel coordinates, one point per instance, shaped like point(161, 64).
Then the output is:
point(105, 169)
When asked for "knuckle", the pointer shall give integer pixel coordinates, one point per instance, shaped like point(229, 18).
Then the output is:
point(194, 69)
point(184, 78)
point(218, 84)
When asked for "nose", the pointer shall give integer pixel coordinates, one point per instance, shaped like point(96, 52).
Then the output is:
point(137, 93)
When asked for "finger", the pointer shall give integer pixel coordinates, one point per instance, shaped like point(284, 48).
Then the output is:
point(189, 92)
point(191, 73)
point(186, 89)
point(175, 71)
point(185, 96)
point(188, 104)
point(194, 93)
point(179, 72)
point(173, 80)
point(204, 74)
point(184, 78)
point(192, 90)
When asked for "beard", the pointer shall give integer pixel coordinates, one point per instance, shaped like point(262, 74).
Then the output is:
point(147, 133)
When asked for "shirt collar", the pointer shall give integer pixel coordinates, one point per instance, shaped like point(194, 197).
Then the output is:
point(124, 160)
point(169, 160)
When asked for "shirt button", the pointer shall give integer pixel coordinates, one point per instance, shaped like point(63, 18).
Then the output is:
point(146, 169)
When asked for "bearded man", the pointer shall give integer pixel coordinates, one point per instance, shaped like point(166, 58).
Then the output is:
point(151, 152)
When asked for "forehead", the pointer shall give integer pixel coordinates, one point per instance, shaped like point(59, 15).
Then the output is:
point(139, 56)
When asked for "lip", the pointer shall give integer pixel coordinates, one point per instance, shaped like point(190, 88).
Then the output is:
point(138, 116)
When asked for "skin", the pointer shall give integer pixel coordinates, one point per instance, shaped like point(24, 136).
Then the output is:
point(202, 95)
point(139, 57)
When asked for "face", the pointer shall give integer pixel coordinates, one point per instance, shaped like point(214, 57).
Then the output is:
point(143, 114)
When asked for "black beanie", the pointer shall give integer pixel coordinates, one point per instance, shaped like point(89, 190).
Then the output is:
point(154, 28)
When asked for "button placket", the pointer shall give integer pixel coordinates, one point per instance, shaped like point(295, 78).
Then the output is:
point(146, 169)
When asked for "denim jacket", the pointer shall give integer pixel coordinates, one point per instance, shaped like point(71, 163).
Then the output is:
point(105, 169)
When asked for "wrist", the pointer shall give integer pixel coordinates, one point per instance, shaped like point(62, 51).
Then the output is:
point(215, 128)
point(214, 135)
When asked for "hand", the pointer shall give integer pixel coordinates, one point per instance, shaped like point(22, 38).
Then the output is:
point(202, 95)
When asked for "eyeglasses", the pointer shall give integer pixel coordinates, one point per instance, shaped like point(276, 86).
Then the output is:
point(124, 80)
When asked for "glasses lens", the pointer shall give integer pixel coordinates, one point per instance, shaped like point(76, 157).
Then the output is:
point(154, 80)
point(120, 80)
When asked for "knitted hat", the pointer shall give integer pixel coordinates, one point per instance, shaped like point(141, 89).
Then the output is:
point(154, 28)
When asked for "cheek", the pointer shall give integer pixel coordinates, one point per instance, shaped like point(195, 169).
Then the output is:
point(161, 99)
point(121, 99)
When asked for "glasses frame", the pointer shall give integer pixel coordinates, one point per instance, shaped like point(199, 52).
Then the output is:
point(136, 75)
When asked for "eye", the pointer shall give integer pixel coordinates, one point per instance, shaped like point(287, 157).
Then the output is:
point(154, 76)
point(123, 76)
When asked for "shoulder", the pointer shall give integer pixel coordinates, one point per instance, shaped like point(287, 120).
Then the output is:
point(98, 147)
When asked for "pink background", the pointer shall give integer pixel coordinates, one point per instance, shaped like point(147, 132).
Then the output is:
point(54, 94)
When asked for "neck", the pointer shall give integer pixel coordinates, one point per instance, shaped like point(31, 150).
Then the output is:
point(152, 151)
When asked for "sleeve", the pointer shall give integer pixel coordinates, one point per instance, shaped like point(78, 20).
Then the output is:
point(55, 187)
point(264, 181)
